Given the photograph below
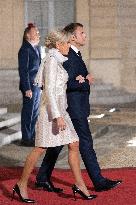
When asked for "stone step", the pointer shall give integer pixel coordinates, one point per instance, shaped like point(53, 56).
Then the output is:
point(3, 111)
point(8, 79)
point(9, 76)
point(10, 82)
point(8, 99)
point(14, 86)
point(97, 87)
point(8, 138)
point(9, 119)
point(9, 127)
point(110, 100)
point(13, 91)
point(8, 72)
point(108, 93)
point(101, 93)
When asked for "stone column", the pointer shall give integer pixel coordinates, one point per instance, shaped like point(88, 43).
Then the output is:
point(51, 19)
point(11, 31)
point(82, 16)
point(127, 27)
point(105, 48)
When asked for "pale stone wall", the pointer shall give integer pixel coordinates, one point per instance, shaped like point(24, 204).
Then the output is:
point(11, 31)
point(102, 50)
point(82, 16)
point(110, 51)
point(127, 27)
point(111, 47)
point(105, 47)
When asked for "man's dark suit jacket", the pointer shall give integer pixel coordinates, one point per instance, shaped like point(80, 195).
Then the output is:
point(29, 61)
point(77, 93)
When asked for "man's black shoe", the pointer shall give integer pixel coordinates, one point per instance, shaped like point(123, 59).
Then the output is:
point(27, 143)
point(107, 185)
point(48, 186)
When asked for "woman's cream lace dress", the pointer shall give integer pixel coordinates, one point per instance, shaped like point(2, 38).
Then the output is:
point(53, 103)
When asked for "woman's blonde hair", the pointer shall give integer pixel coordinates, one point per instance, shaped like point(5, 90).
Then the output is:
point(55, 36)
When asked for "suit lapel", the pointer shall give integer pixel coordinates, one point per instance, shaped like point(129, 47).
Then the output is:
point(27, 44)
point(80, 60)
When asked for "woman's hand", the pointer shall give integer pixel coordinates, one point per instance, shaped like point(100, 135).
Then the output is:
point(61, 123)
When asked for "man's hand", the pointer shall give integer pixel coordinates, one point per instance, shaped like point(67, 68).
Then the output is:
point(90, 78)
point(61, 123)
point(80, 78)
point(28, 94)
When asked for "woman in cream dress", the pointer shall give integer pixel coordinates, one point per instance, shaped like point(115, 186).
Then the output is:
point(54, 126)
point(54, 104)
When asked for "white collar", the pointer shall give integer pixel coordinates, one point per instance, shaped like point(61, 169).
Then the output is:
point(33, 44)
point(59, 57)
point(75, 48)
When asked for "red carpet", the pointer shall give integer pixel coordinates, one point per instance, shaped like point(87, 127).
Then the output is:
point(124, 194)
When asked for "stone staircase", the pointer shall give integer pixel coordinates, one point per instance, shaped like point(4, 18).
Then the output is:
point(9, 127)
point(9, 89)
point(101, 93)
point(107, 94)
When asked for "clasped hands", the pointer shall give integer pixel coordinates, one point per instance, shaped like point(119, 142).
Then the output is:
point(81, 79)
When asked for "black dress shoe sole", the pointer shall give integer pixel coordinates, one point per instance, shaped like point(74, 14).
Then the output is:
point(43, 187)
point(108, 188)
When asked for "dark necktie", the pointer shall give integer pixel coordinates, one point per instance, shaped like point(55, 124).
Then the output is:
point(79, 54)
point(36, 50)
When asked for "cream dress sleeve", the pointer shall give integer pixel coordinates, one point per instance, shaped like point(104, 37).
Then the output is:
point(50, 87)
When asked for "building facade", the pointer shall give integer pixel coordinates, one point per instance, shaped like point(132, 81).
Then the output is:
point(110, 52)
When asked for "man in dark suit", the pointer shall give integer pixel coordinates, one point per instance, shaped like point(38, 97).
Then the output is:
point(78, 90)
point(29, 59)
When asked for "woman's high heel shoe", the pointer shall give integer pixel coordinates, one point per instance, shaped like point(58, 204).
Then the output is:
point(77, 190)
point(17, 191)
